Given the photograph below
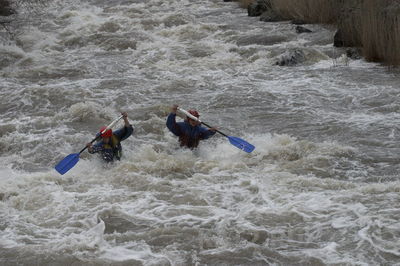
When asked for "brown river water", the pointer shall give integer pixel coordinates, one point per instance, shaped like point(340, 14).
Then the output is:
point(321, 188)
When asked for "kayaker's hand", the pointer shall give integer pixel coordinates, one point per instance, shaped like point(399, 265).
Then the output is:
point(125, 117)
point(89, 146)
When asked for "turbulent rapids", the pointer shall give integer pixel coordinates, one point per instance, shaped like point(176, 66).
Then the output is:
point(321, 188)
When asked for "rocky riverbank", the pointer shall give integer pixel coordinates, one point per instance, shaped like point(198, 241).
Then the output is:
point(371, 26)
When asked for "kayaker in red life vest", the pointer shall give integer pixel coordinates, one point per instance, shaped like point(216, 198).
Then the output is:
point(190, 132)
point(110, 143)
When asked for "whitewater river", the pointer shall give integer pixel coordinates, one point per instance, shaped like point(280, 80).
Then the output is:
point(321, 188)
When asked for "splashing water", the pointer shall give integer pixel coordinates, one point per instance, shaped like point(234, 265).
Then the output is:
point(320, 188)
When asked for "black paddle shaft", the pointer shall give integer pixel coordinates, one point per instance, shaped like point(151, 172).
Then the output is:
point(90, 142)
point(216, 130)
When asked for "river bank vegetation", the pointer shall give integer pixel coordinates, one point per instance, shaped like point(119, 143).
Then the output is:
point(371, 25)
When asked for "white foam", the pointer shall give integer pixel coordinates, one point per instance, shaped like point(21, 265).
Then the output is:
point(300, 197)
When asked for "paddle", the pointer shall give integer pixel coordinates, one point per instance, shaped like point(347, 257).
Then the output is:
point(69, 161)
point(235, 141)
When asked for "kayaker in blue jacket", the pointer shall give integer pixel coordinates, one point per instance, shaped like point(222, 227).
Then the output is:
point(110, 144)
point(190, 132)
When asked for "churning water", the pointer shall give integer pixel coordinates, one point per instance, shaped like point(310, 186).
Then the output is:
point(321, 188)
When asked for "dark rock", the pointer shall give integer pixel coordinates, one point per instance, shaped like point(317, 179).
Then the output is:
point(353, 53)
point(270, 16)
point(5, 8)
point(256, 8)
point(253, 10)
point(291, 58)
point(338, 39)
point(298, 22)
point(349, 25)
point(301, 29)
point(347, 36)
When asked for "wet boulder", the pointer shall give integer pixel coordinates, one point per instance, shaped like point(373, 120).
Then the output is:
point(338, 40)
point(5, 8)
point(353, 53)
point(291, 58)
point(301, 29)
point(258, 7)
point(345, 38)
point(271, 16)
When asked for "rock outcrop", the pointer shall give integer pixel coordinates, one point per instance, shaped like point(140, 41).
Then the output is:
point(5, 8)
point(291, 58)
point(258, 7)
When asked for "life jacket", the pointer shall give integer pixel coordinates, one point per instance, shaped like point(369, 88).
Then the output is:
point(112, 150)
point(190, 141)
point(190, 136)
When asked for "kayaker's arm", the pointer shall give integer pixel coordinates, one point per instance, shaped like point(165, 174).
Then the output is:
point(171, 122)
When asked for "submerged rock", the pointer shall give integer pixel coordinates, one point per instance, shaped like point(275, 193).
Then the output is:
point(291, 58)
point(257, 237)
point(353, 53)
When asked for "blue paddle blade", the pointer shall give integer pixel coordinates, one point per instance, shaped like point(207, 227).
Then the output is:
point(67, 163)
point(241, 144)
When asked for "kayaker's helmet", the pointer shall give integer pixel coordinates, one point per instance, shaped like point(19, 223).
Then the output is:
point(194, 113)
point(107, 134)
